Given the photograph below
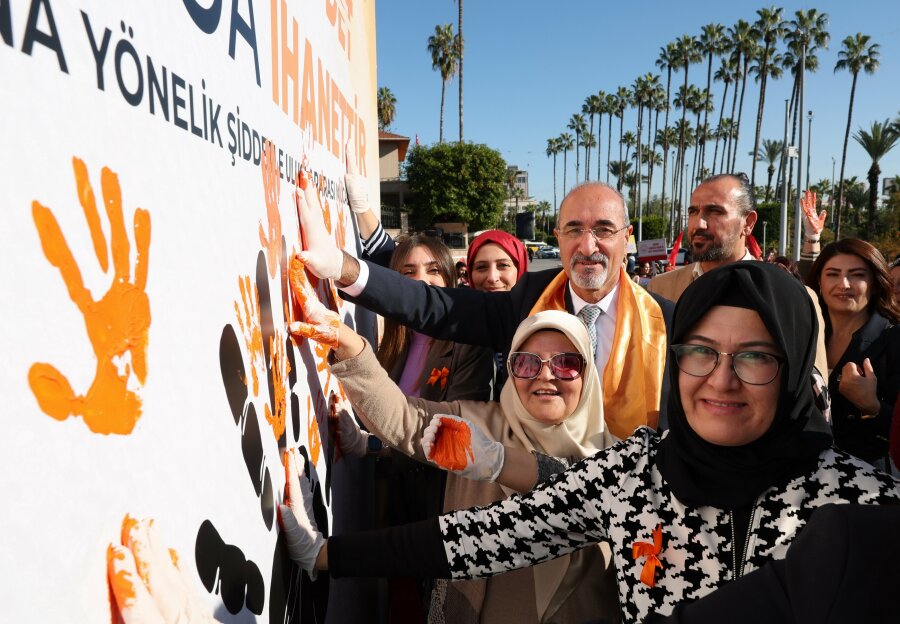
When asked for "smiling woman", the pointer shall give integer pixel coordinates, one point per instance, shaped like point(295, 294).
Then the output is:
point(862, 342)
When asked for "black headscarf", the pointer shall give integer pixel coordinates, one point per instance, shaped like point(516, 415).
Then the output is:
point(729, 477)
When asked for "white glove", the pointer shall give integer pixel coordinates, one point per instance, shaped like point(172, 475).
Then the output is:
point(148, 586)
point(304, 541)
point(812, 222)
point(322, 255)
point(454, 444)
point(357, 187)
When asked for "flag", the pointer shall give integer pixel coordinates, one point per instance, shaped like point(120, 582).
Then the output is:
point(417, 139)
point(676, 247)
point(753, 247)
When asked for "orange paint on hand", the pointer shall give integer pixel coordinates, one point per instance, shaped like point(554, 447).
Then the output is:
point(271, 178)
point(133, 540)
point(117, 325)
point(120, 580)
point(326, 215)
point(248, 316)
point(452, 445)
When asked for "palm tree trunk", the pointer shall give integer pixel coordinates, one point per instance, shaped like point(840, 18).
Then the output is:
point(577, 155)
point(587, 153)
point(681, 149)
point(608, 144)
point(719, 127)
point(840, 197)
point(565, 168)
point(737, 130)
point(874, 172)
point(443, 91)
point(706, 114)
point(781, 161)
point(731, 130)
point(666, 143)
point(621, 118)
point(764, 73)
point(599, 142)
point(769, 181)
point(554, 184)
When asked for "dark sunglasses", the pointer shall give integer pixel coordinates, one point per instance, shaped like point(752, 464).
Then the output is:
point(563, 366)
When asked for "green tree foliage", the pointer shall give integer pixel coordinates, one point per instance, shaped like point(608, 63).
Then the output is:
point(463, 182)
point(652, 226)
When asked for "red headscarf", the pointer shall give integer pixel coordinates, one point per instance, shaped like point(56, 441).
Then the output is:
point(510, 244)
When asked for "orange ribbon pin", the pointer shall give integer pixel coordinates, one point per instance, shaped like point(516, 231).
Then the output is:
point(645, 549)
point(439, 375)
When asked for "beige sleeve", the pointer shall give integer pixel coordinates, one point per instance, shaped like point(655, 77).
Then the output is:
point(379, 403)
point(821, 355)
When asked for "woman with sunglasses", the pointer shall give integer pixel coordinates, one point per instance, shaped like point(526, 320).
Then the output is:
point(551, 405)
point(747, 459)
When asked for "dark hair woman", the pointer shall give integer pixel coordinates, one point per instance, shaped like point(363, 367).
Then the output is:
point(862, 342)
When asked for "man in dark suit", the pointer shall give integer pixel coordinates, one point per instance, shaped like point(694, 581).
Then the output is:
point(628, 324)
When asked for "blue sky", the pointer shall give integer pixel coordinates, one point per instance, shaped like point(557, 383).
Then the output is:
point(529, 65)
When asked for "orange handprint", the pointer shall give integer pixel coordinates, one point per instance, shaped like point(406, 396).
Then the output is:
point(117, 325)
point(272, 187)
point(281, 368)
point(248, 316)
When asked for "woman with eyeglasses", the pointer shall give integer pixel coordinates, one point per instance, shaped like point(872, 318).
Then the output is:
point(747, 459)
point(551, 405)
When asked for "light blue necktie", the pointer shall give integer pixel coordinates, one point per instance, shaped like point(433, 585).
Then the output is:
point(588, 315)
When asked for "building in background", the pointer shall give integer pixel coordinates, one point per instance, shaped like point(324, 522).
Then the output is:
point(394, 190)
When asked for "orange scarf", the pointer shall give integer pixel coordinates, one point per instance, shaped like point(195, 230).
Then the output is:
point(632, 378)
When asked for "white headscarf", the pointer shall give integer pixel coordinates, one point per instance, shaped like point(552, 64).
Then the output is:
point(583, 432)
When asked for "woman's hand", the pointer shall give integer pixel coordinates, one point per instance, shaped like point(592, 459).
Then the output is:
point(304, 541)
point(321, 254)
point(357, 191)
point(321, 324)
point(350, 439)
point(812, 222)
point(454, 444)
point(859, 385)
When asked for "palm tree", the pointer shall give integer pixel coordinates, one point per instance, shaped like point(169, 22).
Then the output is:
point(578, 125)
point(774, 63)
point(629, 141)
point(459, 53)
point(588, 141)
point(621, 169)
point(769, 153)
point(387, 108)
point(612, 106)
point(443, 46)
point(602, 106)
point(553, 149)
point(712, 43)
point(856, 55)
point(688, 53)
point(877, 142)
point(668, 60)
point(565, 144)
point(727, 74)
point(743, 42)
point(770, 27)
point(590, 107)
point(623, 101)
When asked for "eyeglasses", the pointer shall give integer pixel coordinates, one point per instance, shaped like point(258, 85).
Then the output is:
point(752, 367)
point(563, 366)
point(600, 232)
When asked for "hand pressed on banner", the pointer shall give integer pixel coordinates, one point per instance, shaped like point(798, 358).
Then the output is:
point(320, 253)
point(320, 324)
point(454, 444)
point(146, 582)
point(813, 223)
point(117, 324)
point(270, 239)
point(346, 435)
point(296, 515)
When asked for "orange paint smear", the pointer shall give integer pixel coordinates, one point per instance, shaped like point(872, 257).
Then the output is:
point(281, 367)
point(173, 555)
point(312, 432)
point(117, 325)
point(271, 240)
point(248, 316)
point(452, 445)
point(340, 235)
point(131, 538)
point(121, 580)
point(326, 215)
point(334, 426)
point(321, 351)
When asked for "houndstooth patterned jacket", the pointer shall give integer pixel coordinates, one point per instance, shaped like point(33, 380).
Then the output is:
point(619, 495)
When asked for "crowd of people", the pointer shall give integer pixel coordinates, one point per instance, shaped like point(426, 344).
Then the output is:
point(573, 445)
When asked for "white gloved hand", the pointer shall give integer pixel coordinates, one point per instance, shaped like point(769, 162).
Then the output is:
point(322, 256)
point(148, 586)
point(456, 445)
point(812, 222)
point(357, 189)
point(304, 541)
point(351, 440)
